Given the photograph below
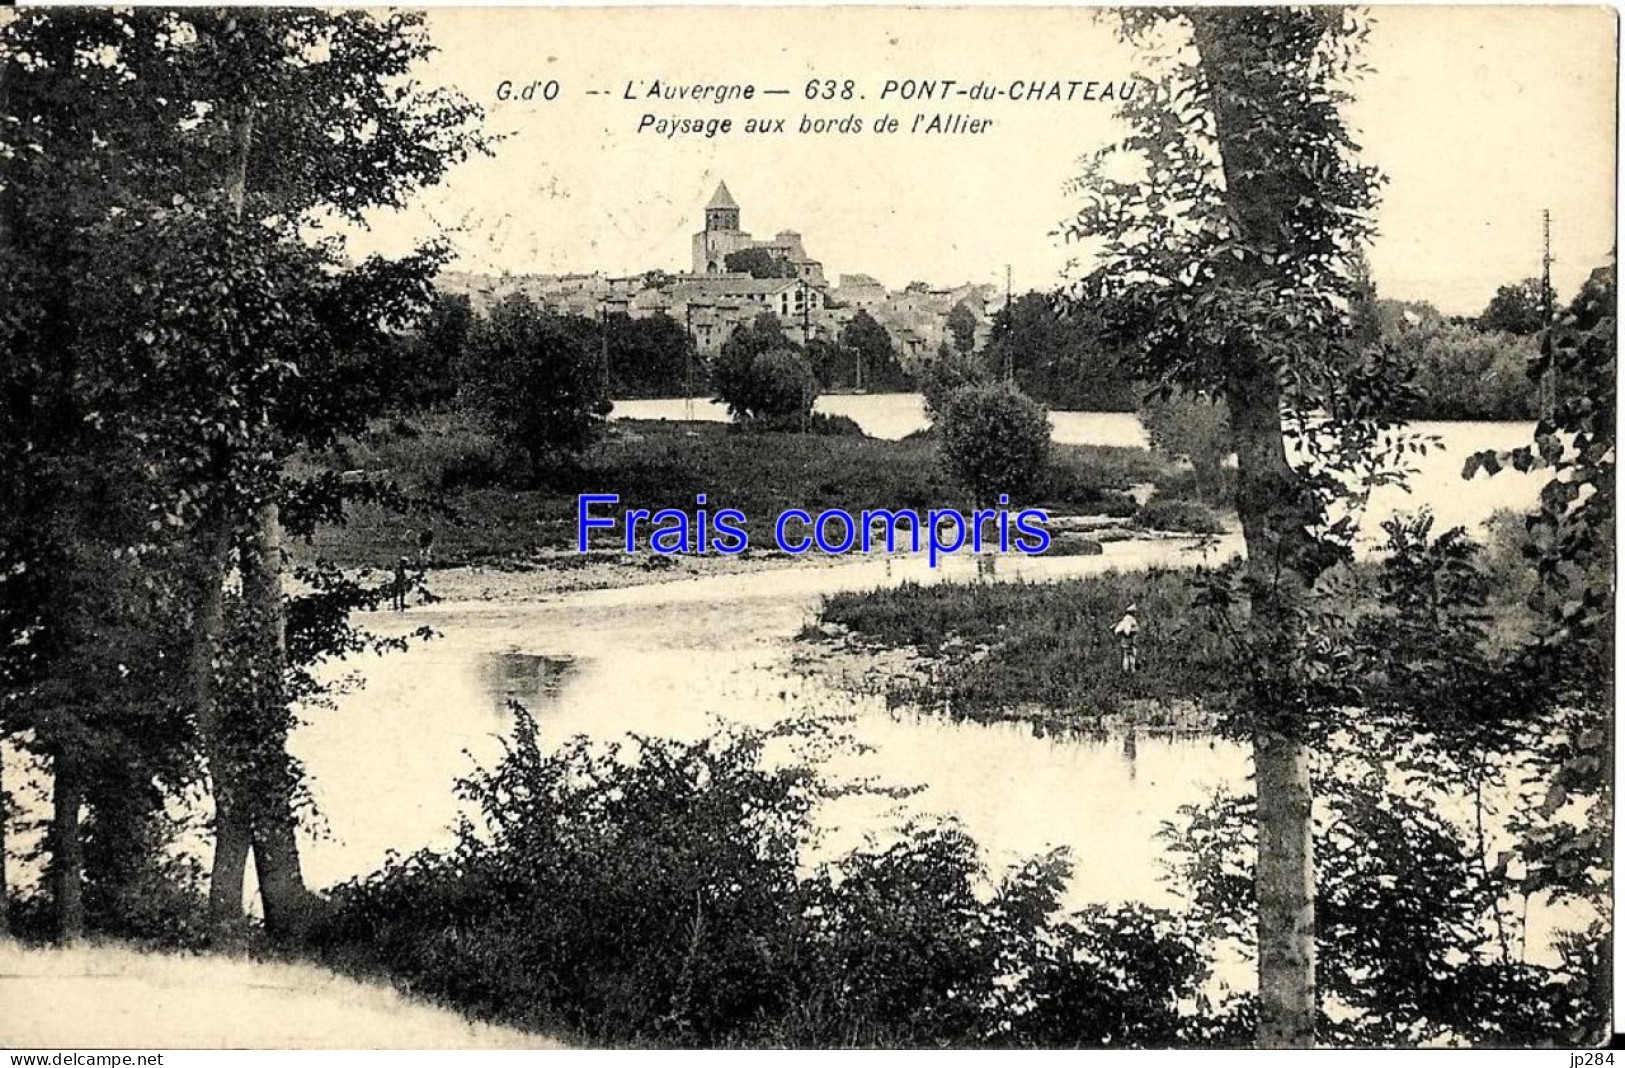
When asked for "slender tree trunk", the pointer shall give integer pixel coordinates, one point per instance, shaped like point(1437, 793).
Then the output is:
point(267, 814)
point(1274, 517)
point(6, 208)
point(288, 904)
point(231, 832)
point(5, 822)
point(1276, 513)
point(67, 871)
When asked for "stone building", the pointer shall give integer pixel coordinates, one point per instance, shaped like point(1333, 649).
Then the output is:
point(722, 237)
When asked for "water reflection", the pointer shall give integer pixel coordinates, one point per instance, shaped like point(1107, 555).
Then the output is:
point(531, 679)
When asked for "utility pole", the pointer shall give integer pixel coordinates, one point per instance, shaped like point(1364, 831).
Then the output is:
point(1009, 299)
point(1548, 380)
point(688, 360)
point(603, 346)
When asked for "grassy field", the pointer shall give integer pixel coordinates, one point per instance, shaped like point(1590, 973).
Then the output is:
point(665, 465)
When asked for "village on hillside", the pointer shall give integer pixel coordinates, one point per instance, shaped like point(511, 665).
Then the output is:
point(734, 277)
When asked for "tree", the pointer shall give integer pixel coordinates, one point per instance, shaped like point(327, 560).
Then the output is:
point(961, 324)
point(539, 380)
point(166, 194)
point(649, 357)
point(1227, 261)
point(1463, 372)
point(1520, 309)
point(731, 371)
point(948, 373)
point(782, 387)
point(431, 357)
point(874, 359)
point(759, 263)
point(1060, 355)
point(1194, 429)
point(995, 440)
point(762, 377)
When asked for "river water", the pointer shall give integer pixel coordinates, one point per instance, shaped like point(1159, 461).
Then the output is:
point(1435, 479)
point(676, 659)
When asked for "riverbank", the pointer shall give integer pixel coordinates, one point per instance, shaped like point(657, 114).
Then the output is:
point(482, 512)
point(1026, 652)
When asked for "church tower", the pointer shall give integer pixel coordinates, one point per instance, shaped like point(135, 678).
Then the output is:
point(722, 213)
point(721, 234)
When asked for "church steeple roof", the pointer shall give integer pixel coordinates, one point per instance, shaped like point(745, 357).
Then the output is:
point(721, 198)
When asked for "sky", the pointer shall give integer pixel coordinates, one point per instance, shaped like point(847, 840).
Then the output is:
point(1479, 118)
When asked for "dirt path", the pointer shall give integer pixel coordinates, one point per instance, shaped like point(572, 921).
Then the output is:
point(114, 997)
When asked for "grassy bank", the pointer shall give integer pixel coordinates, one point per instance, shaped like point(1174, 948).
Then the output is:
point(1044, 652)
point(492, 518)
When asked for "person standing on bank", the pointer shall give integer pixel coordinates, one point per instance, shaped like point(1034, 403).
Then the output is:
point(1126, 630)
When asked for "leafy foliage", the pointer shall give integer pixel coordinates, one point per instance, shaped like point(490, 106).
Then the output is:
point(656, 893)
point(961, 324)
point(1194, 429)
point(947, 373)
point(651, 357)
point(175, 317)
point(1421, 918)
point(759, 263)
point(1520, 309)
point(867, 344)
point(539, 380)
point(995, 440)
point(759, 374)
point(1060, 355)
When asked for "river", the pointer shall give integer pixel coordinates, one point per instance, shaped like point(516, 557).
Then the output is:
point(1435, 479)
point(678, 658)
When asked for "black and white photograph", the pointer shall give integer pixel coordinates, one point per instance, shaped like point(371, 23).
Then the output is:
point(807, 527)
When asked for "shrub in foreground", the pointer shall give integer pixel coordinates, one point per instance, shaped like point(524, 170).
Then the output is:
point(654, 893)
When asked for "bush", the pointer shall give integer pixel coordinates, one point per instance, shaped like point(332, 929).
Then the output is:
point(819, 424)
point(653, 893)
point(1182, 484)
point(1190, 517)
point(995, 440)
point(1079, 489)
point(782, 386)
point(1194, 429)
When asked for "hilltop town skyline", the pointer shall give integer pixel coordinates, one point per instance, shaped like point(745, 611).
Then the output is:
point(1464, 136)
point(719, 291)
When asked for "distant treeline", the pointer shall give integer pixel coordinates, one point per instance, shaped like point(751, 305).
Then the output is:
point(1464, 367)
point(643, 357)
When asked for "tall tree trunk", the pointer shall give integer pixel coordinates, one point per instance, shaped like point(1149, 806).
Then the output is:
point(1274, 521)
point(1276, 514)
point(267, 812)
point(288, 904)
point(5, 822)
point(6, 208)
point(231, 830)
point(67, 871)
